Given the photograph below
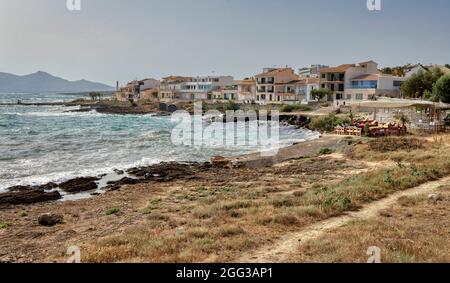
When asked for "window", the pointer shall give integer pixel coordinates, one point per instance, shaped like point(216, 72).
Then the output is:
point(349, 97)
point(339, 96)
point(332, 87)
point(324, 76)
point(359, 96)
point(341, 87)
point(398, 83)
point(364, 84)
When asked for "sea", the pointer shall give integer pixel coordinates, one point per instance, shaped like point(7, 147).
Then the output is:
point(42, 144)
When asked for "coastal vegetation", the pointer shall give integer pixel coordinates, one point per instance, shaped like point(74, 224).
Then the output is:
point(295, 108)
point(328, 123)
point(398, 71)
point(5, 225)
point(441, 90)
point(112, 211)
point(431, 85)
point(320, 93)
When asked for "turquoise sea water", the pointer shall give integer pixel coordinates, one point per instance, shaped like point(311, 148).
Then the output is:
point(41, 144)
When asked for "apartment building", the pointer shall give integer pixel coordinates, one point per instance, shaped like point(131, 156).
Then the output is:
point(171, 87)
point(226, 93)
point(276, 85)
point(351, 83)
point(201, 88)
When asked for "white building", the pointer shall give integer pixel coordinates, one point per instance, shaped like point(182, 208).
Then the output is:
point(351, 83)
point(415, 70)
point(305, 87)
point(312, 71)
point(201, 88)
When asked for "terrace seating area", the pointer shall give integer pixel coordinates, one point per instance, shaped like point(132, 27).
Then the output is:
point(377, 129)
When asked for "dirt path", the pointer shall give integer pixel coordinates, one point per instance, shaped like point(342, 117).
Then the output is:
point(282, 248)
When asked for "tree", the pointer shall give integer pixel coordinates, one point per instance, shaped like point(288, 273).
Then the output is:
point(441, 90)
point(320, 93)
point(404, 120)
point(95, 95)
point(418, 84)
point(447, 66)
point(351, 116)
point(395, 71)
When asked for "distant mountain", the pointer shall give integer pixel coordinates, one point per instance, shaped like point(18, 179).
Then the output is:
point(45, 82)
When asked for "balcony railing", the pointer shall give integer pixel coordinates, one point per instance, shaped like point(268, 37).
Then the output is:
point(264, 82)
point(266, 90)
point(362, 87)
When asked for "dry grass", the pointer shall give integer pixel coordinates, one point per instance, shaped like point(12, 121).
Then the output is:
point(217, 222)
point(413, 231)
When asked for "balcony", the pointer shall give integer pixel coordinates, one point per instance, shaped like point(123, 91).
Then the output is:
point(265, 81)
point(264, 90)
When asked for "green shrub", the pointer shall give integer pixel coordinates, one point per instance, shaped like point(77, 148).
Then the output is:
point(327, 123)
point(5, 225)
point(112, 211)
point(326, 151)
point(295, 107)
point(231, 105)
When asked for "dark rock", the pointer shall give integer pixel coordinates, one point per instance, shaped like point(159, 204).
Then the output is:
point(20, 188)
point(166, 171)
point(50, 219)
point(28, 197)
point(119, 172)
point(47, 187)
point(77, 185)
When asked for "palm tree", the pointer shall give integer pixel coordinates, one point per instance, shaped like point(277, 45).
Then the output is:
point(404, 120)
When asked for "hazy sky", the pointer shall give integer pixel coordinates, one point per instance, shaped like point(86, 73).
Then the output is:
point(121, 40)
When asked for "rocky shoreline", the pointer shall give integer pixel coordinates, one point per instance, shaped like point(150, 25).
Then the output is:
point(162, 172)
point(158, 173)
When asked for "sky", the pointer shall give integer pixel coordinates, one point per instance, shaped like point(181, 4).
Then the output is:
point(109, 40)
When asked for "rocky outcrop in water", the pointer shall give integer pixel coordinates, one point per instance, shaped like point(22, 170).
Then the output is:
point(78, 185)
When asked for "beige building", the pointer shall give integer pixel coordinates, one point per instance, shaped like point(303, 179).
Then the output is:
point(276, 85)
point(171, 87)
point(247, 90)
point(149, 89)
point(130, 91)
point(351, 83)
point(226, 93)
